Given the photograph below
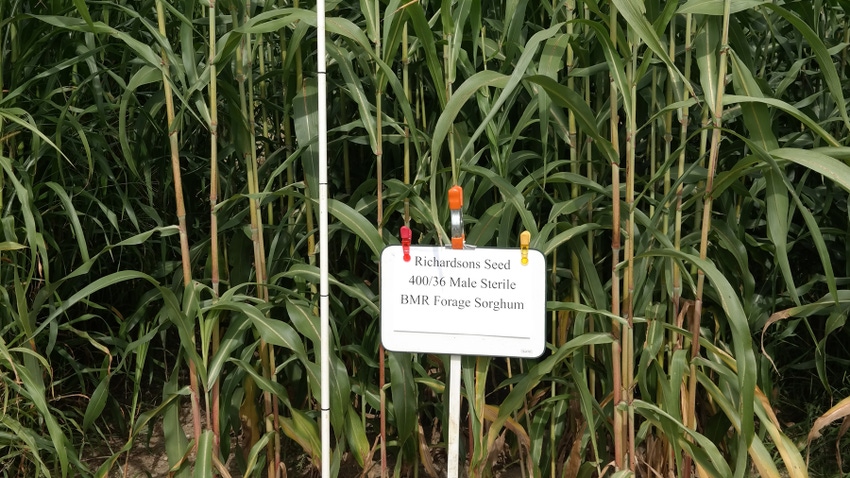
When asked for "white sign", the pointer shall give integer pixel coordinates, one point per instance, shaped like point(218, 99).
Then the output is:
point(479, 301)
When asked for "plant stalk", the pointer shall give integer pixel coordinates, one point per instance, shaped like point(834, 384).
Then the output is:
point(181, 212)
point(616, 348)
point(714, 153)
point(214, 182)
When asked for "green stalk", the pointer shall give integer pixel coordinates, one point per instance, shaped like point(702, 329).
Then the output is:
point(256, 217)
point(553, 392)
point(684, 114)
point(346, 163)
point(382, 379)
point(405, 61)
point(181, 213)
point(575, 155)
point(261, 55)
point(703, 151)
point(450, 78)
point(714, 152)
point(589, 173)
point(668, 147)
point(287, 95)
point(2, 123)
point(271, 356)
point(379, 137)
point(616, 356)
point(246, 103)
point(575, 168)
point(668, 133)
point(629, 282)
point(214, 264)
point(653, 142)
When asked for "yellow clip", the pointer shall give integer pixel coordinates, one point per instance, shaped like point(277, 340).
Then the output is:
point(524, 241)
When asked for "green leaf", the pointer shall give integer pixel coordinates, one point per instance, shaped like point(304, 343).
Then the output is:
point(634, 12)
point(232, 339)
point(519, 72)
point(483, 230)
point(429, 46)
point(404, 395)
point(355, 435)
point(340, 394)
point(279, 333)
point(176, 444)
point(305, 107)
point(73, 219)
point(777, 227)
point(84, 11)
point(827, 67)
point(36, 391)
point(567, 235)
point(368, 8)
point(707, 43)
point(356, 223)
point(263, 383)
point(829, 167)
point(516, 397)
point(304, 320)
point(703, 450)
point(482, 79)
point(97, 402)
point(715, 7)
point(303, 431)
point(756, 116)
point(11, 246)
point(355, 91)
point(807, 120)
point(615, 64)
point(739, 327)
point(254, 454)
point(511, 195)
point(567, 98)
point(204, 458)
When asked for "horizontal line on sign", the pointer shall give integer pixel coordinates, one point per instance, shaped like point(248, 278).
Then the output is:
point(420, 332)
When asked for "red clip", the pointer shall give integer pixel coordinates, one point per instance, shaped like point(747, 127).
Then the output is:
point(405, 242)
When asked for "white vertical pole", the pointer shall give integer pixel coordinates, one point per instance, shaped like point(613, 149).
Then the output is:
point(454, 417)
point(323, 242)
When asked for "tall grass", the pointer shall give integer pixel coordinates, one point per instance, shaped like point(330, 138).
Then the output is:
point(682, 166)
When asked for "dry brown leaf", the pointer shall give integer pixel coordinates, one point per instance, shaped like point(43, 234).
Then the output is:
point(574, 462)
point(496, 448)
point(840, 410)
point(767, 408)
point(845, 425)
point(782, 314)
point(368, 462)
point(491, 412)
point(425, 455)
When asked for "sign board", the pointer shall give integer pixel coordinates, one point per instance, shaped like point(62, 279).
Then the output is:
point(480, 301)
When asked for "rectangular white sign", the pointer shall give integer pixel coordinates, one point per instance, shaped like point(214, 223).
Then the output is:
point(480, 301)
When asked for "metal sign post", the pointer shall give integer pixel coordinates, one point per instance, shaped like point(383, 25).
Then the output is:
point(458, 242)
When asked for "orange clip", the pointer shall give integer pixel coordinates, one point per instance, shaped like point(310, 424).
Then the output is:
point(524, 241)
point(405, 242)
point(456, 210)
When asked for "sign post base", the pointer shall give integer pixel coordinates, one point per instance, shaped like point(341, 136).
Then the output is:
point(453, 463)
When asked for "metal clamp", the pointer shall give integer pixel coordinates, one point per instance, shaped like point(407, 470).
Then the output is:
point(456, 209)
